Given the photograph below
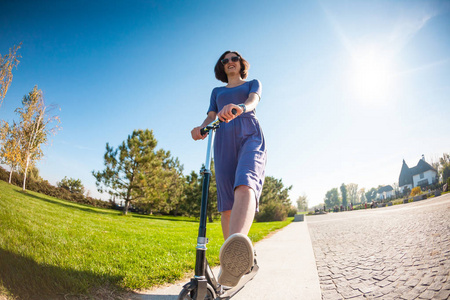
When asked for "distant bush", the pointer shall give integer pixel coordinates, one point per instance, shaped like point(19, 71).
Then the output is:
point(292, 211)
point(416, 191)
point(397, 202)
point(44, 187)
point(272, 212)
point(72, 185)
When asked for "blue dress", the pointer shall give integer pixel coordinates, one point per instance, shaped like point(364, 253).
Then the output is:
point(239, 148)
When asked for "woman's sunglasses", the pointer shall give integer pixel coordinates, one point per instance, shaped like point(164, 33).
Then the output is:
point(233, 59)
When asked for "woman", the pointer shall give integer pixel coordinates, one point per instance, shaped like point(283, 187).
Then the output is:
point(240, 159)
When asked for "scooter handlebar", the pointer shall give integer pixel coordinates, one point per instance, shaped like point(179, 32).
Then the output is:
point(203, 131)
point(206, 129)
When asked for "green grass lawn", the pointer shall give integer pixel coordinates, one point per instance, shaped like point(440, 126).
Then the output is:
point(51, 247)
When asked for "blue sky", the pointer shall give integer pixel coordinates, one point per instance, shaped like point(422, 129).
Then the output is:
point(350, 88)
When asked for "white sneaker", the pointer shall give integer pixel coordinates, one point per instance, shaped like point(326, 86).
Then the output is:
point(236, 259)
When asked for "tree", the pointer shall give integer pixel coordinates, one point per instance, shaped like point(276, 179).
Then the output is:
point(72, 185)
point(406, 191)
point(164, 184)
point(344, 195)
point(33, 174)
point(7, 63)
point(131, 171)
point(212, 210)
point(274, 191)
point(175, 182)
point(434, 162)
point(362, 195)
point(302, 203)
point(396, 189)
point(193, 194)
point(332, 198)
point(371, 195)
point(445, 166)
point(352, 189)
point(152, 184)
point(445, 173)
point(274, 203)
point(445, 159)
point(10, 152)
point(35, 128)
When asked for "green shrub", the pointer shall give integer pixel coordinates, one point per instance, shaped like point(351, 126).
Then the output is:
point(292, 211)
point(44, 187)
point(272, 212)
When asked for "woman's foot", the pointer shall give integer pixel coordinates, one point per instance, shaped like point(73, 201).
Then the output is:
point(236, 259)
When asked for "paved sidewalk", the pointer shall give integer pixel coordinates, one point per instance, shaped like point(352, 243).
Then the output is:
point(398, 252)
point(287, 270)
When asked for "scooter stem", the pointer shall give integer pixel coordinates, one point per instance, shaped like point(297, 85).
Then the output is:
point(200, 267)
point(205, 186)
point(209, 150)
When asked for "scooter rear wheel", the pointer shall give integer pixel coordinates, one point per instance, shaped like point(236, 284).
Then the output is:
point(189, 292)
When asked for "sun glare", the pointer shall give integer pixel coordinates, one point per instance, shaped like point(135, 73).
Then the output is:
point(370, 77)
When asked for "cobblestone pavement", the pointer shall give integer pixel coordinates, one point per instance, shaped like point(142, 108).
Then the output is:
point(397, 252)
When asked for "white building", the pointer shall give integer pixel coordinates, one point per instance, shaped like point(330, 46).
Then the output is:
point(385, 192)
point(421, 175)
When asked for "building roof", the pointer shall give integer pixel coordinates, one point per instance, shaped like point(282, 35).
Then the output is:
point(386, 188)
point(406, 174)
point(422, 166)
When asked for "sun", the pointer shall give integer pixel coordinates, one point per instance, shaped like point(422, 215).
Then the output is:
point(370, 77)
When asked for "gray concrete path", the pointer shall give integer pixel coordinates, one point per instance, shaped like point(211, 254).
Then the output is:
point(287, 270)
point(398, 252)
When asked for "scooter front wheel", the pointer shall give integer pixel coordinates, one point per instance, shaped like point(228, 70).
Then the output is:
point(189, 292)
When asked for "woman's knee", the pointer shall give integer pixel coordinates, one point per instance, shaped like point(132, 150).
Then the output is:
point(226, 214)
point(243, 189)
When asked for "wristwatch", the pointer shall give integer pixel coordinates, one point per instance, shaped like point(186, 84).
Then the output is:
point(244, 108)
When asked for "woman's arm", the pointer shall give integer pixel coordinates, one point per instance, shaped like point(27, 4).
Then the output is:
point(250, 104)
point(195, 133)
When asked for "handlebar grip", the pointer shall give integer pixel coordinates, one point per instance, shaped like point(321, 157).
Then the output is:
point(204, 130)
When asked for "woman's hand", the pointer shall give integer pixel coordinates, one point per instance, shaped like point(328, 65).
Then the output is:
point(196, 135)
point(226, 114)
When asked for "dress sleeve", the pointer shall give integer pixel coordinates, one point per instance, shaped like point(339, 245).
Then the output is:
point(255, 87)
point(213, 102)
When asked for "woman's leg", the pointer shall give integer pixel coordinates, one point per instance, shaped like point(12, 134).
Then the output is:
point(225, 220)
point(243, 211)
point(237, 253)
point(240, 218)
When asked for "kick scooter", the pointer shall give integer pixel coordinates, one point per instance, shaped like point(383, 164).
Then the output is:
point(204, 286)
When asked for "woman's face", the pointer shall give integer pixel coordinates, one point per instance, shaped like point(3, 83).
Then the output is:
point(232, 67)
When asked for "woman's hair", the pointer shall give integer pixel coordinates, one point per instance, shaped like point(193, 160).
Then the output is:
point(220, 71)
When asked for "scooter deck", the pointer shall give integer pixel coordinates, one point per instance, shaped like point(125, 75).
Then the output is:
point(244, 280)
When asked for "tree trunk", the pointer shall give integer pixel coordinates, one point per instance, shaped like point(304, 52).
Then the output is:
point(31, 145)
point(25, 173)
point(210, 218)
point(10, 174)
point(125, 209)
